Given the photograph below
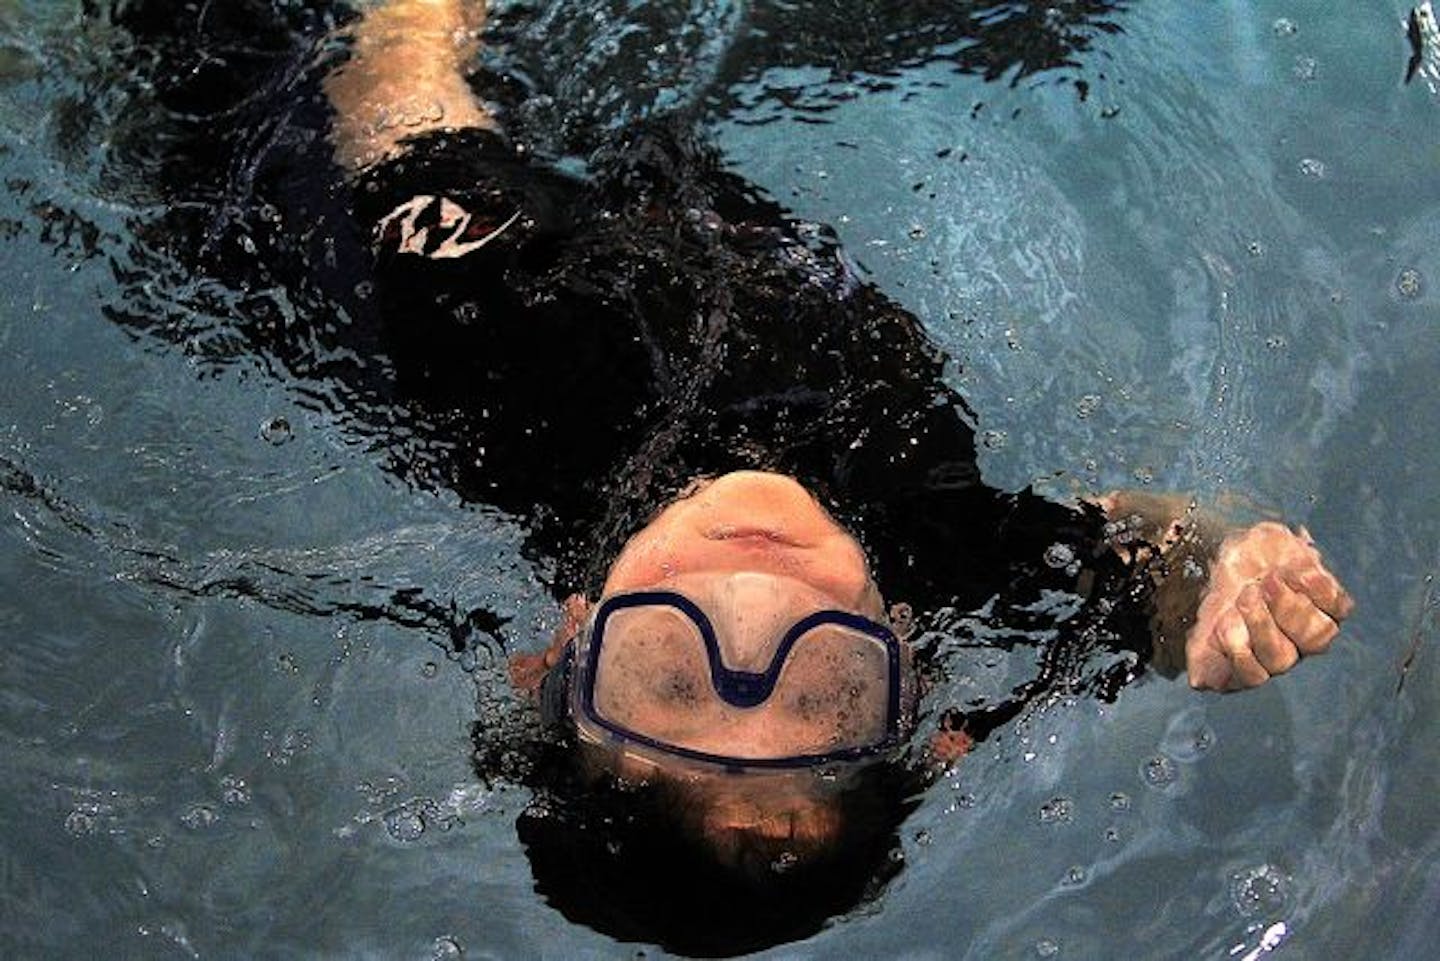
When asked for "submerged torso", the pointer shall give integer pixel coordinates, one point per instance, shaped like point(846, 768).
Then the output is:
point(651, 321)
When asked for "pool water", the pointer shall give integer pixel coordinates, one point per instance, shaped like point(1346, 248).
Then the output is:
point(234, 717)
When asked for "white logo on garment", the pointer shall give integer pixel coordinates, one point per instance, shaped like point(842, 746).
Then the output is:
point(441, 240)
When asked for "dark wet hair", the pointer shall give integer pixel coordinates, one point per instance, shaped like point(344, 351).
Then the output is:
point(621, 860)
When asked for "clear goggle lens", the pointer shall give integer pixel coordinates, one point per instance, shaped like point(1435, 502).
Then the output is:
point(655, 677)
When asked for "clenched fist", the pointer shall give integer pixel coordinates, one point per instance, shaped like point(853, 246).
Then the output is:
point(1270, 602)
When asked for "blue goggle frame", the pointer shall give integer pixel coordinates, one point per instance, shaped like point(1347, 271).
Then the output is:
point(741, 689)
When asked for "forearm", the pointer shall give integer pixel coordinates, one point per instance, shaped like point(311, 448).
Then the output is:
point(1176, 543)
point(405, 76)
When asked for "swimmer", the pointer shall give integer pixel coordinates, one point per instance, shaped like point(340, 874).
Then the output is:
point(739, 457)
point(741, 629)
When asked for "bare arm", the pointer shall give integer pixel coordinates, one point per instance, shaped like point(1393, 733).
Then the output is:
point(405, 77)
point(1235, 604)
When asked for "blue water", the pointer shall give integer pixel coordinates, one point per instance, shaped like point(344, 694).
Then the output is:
point(1217, 272)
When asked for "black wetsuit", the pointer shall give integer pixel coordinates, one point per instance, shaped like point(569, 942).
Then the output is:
point(574, 350)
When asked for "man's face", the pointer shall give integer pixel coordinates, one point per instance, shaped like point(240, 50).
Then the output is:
point(760, 548)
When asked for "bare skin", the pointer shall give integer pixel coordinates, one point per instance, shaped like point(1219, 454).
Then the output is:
point(1271, 601)
point(405, 77)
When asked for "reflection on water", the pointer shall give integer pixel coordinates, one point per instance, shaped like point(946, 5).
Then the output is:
point(241, 659)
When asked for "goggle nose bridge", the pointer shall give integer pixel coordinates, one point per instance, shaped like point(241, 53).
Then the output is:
point(743, 688)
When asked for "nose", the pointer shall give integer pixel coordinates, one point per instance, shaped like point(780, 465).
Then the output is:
point(750, 618)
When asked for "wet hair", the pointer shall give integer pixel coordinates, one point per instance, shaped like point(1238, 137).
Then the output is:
point(628, 862)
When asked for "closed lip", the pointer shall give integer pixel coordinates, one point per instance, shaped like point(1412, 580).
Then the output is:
point(752, 533)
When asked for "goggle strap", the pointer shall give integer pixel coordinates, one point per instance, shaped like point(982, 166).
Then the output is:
point(555, 690)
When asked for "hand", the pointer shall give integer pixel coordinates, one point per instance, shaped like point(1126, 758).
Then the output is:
point(527, 670)
point(1270, 602)
point(951, 741)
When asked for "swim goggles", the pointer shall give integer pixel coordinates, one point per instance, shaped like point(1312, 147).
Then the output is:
point(646, 675)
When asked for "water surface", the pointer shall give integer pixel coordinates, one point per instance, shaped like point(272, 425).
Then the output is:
point(234, 715)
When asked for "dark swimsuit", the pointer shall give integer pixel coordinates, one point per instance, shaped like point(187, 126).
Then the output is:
point(574, 349)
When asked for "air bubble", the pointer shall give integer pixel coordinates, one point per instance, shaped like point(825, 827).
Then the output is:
point(1312, 168)
point(276, 431)
point(993, 439)
point(1046, 948)
point(234, 791)
point(80, 823)
point(1087, 405)
point(1203, 740)
point(446, 949)
point(405, 824)
point(283, 749)
point(1409, 284)
point(379, 793)
point(1059, 555)
point(784, 862)
point(1057, 810)
point(199, 816)
point(1160, 771)
point(1285, 27)
point(1261, 891)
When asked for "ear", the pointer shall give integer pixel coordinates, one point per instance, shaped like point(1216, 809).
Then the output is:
point(528, 670)
point(573, 611)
